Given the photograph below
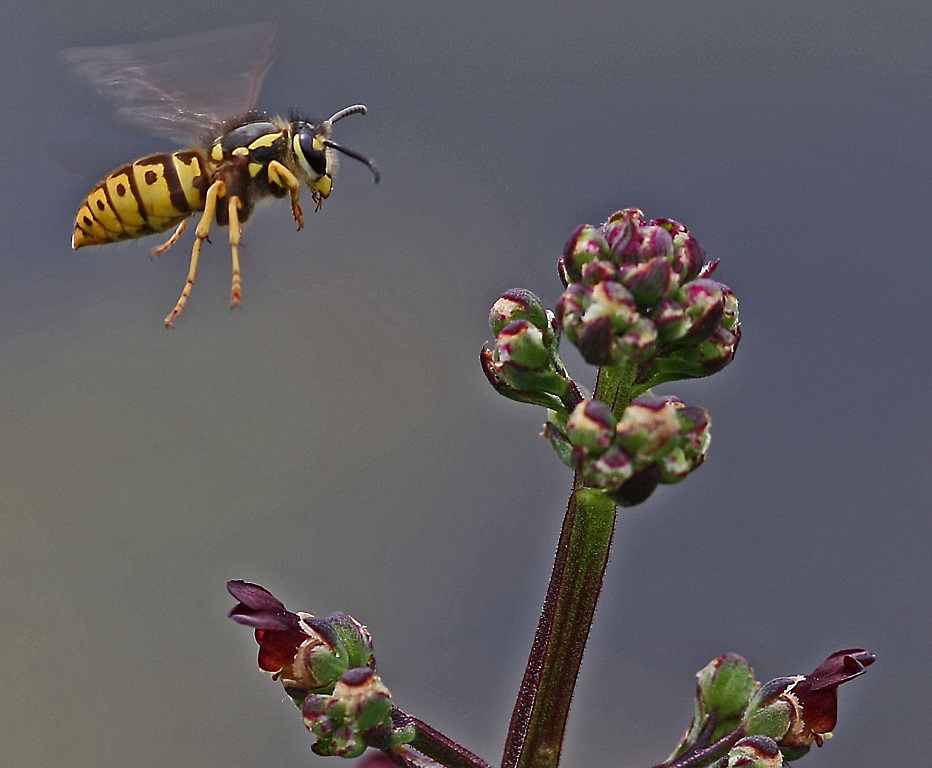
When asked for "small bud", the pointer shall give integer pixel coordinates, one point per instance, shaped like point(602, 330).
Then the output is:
point(610, 470)
point(704, 303)
point(524, 365)
point(755, 752)
point(355, 638)
point(725, 685)
point(769, 713)
point(621, 232)
point(585, 245)
point(648, 425)
point(649, 281)
point(637, 488)
point(355, 714)
point(518, 304)
point(522, 343)
point(591, 426)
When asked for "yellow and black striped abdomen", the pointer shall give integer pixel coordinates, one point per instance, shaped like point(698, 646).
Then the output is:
point(153, 194)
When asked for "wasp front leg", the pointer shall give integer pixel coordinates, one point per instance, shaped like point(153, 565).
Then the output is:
point(282, 177)
point(215, 190)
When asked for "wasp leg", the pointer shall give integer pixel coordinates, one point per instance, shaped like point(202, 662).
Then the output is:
point(280, 175)
point(236, 230)
point(203, 230)
point(160, 249)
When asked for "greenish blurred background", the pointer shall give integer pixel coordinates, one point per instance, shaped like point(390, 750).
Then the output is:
point(334, 439)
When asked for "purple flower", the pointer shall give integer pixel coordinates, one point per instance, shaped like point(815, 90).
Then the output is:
point(279, 632)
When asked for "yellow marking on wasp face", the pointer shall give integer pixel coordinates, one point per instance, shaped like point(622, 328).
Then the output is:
point(155, 192)
point(240, 152)
point(216, 153)
point(188, 170)
point(323, 186)
point(255, 169)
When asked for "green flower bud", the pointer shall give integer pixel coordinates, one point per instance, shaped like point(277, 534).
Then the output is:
point(648, 426)
point(591, 426)
point(604, 323)
point(610, 470)
point(619, 231)
point(355, 638)
point(725, 685)
point(688, 253)
point(526, 386)
point(356, 715)
point(704, 303)
point(524, 364)
point(755, 752)
point(649, 281)
point(523, 344)
point(770, 712)
point(319, 661)
point(585, 245)
point(518, 304)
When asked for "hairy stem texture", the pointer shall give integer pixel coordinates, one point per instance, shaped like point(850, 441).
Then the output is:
point(535, 736)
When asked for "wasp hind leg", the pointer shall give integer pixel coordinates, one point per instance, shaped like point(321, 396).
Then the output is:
point(280, 175)
point(160, 249)
point(215, 190)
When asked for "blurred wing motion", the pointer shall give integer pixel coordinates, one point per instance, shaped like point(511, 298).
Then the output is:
point(180, 87)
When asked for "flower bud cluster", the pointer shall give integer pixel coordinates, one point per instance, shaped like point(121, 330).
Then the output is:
point(754, 752)
point(357, 715)
point(656, 440)
point(327, 667)
point(773, 722)
point(639, 292)
point(524, 364)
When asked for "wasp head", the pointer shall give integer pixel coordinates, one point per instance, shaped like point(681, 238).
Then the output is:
point(315, 152)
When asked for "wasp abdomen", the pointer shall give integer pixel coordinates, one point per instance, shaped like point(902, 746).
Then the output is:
point(153, 194)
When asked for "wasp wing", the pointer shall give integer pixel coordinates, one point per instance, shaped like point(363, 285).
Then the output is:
point(180, 87)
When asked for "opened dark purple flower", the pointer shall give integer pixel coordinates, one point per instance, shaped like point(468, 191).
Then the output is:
point(278, 631)
point(817, 695)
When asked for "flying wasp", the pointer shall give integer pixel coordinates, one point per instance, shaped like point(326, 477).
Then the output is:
point(238, 155)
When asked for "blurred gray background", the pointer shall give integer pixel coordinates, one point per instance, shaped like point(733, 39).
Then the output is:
point(335, 440)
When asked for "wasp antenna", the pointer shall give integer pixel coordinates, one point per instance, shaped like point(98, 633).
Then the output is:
point(356, 109)
point(356, 156)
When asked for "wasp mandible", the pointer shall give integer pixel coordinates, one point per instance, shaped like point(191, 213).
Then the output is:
point(188, 88)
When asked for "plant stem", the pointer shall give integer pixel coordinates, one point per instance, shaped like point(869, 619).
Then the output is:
point(535, 734)
point(440, 748)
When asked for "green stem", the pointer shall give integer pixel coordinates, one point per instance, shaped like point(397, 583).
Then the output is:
point(535, 734)
point(615, 387)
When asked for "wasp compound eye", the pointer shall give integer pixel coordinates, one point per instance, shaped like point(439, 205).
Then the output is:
point(313, 149)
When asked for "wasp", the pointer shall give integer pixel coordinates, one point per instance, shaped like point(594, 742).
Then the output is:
point(187, 88)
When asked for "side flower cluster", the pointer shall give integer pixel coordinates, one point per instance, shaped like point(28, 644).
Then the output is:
point(641, 292)
point(765, 724)
point(327, 668)
point(656, 440)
